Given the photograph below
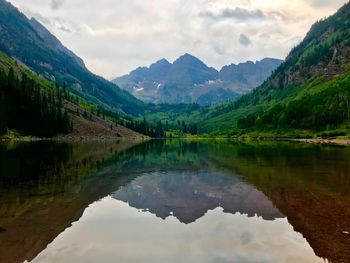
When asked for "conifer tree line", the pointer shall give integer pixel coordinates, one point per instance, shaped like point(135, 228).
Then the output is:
point(187, 128)
point(158, 130)
point(154, 131)
point(30, 109)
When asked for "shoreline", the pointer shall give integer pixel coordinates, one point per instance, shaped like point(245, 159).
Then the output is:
point(73, 139)
point(68, 138)
point(340, 142)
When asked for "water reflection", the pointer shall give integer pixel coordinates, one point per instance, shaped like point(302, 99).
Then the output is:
point(45, 187)
point(189, 196)
point(201, 201)
point(111, 231)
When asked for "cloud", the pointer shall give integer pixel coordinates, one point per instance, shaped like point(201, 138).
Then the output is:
point(244, 40)
point(56, 4)
point(238, 14)
point(132, 33)
point(325, 3)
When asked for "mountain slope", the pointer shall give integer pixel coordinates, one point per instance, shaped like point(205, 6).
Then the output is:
point(27, 106)
point(53, 42)
point(189, 80)
point(144, 82)
point(29, 42)
point(34, 106)
point(309, 91)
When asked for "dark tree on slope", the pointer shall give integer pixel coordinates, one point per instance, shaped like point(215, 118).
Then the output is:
point(30, 109)
point(154, 131)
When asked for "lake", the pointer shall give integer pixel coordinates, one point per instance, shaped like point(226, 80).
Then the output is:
point(174, 201)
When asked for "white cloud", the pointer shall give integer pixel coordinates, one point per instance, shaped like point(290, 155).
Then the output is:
point(114, 37)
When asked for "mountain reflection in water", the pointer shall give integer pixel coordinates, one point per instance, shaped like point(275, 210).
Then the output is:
point(188, 196)
point(165, 201)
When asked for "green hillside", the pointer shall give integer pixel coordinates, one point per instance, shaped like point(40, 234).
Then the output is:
point(309, 92)
point(29, 104)
point(33, 106)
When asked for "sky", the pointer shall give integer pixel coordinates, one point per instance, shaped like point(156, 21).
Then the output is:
point(114, 37)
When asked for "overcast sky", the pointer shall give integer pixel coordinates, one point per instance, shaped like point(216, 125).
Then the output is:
point(116, 36)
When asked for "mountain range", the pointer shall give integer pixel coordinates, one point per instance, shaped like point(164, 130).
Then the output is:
point(189, 80)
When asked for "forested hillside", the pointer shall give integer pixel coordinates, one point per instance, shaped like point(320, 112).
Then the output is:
point(27, 106)
point(33, 106)
point(309, 91)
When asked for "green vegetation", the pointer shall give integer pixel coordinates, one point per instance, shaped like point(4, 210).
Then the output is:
point(308, 94)
point(177, 120)
point(305, 110)
point(143, 127)
point(325, 106)
point(26, 107)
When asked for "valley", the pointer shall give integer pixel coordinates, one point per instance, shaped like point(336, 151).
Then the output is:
point(307, 95)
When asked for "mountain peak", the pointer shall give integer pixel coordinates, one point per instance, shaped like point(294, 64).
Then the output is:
point(188, 61)
point(188, 55)
point(160, 63)
point(187, 58)
point(163, 61)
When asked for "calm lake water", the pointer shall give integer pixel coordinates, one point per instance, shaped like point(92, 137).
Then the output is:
point(174, 201)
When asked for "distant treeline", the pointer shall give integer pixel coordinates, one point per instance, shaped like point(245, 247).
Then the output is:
point(159, 130)
point(30, 109)
point(154, 131)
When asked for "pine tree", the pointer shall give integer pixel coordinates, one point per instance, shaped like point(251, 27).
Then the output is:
point(3, 127)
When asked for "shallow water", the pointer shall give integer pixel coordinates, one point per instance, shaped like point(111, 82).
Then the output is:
point(174, 201)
